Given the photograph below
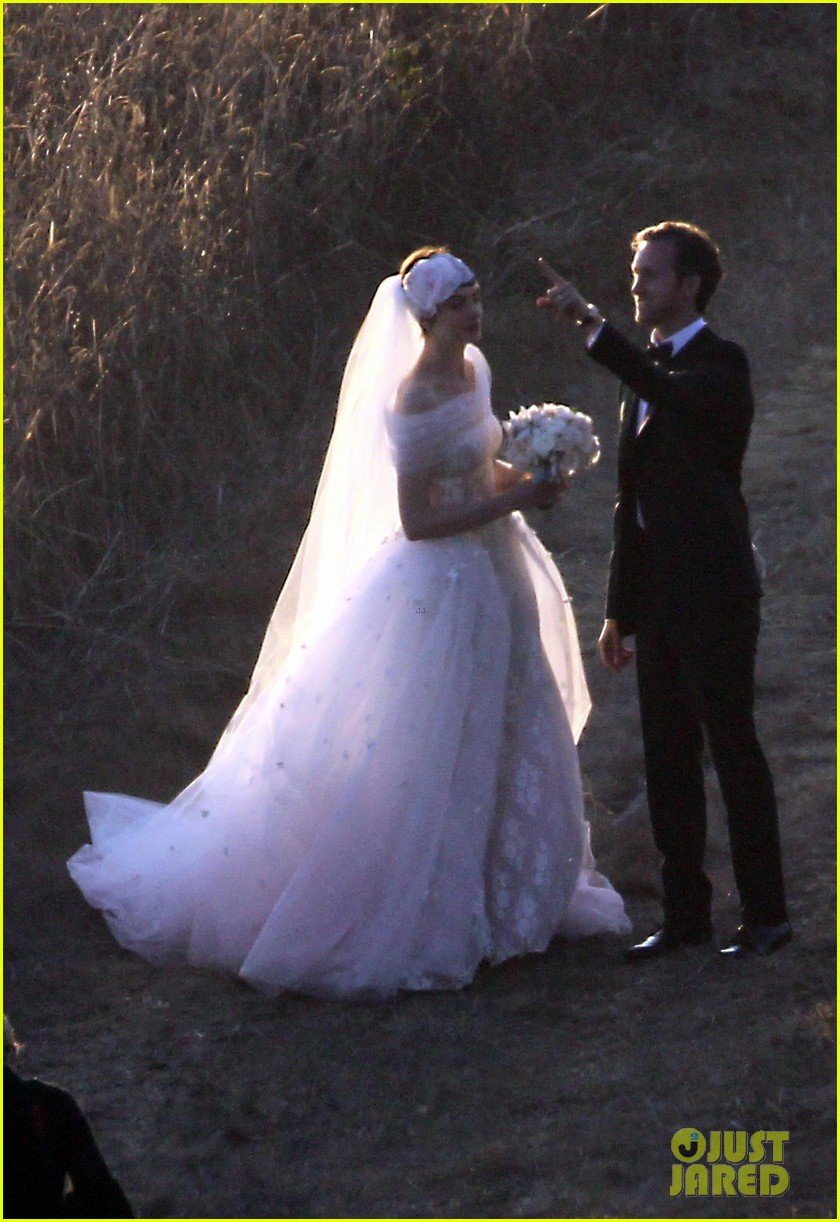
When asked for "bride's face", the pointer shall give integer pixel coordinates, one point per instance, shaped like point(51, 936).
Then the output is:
point(459, 317)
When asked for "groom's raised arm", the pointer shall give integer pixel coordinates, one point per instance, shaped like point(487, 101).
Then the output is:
point(564, 299)
point(704, 392)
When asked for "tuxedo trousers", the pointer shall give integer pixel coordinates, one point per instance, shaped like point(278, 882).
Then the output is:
point(696, 673)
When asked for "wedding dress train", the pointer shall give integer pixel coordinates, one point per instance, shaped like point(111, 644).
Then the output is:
point(402, 800)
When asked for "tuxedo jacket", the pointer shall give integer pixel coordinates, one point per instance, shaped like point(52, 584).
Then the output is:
point(683, 471)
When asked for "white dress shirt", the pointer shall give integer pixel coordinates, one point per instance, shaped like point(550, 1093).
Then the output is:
point(677, 341)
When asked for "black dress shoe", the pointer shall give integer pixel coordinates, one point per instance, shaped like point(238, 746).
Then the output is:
point(667, 939)
point(757, 939)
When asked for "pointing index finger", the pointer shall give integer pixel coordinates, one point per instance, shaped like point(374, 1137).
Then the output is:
point(548, 271)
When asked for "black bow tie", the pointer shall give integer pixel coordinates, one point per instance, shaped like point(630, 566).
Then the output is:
point(662, 351)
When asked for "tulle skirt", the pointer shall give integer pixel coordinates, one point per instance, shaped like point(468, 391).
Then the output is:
point(400, 803)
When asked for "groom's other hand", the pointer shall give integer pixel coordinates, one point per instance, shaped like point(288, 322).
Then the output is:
point(614, 653)
point(564, 298)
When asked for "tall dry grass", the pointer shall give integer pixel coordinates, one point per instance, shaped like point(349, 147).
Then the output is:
point(196, 200)
point(199, 200)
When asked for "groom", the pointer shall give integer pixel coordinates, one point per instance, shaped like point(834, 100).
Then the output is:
point(683, 580)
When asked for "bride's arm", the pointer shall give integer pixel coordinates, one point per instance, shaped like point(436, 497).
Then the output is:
point(423, 520)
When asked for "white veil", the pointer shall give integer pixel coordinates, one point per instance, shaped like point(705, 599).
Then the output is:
point(356, 508)
point(355, 504)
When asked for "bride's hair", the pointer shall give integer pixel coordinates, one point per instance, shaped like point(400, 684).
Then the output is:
point(422, 252)
point(410, 261)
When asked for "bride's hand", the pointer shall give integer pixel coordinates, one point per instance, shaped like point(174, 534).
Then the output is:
point(505, 476)
point(541, 494)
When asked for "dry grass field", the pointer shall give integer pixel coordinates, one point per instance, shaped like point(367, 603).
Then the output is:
point(552, 1086)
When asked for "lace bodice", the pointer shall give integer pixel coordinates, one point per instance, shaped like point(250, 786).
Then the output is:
point(455, 442)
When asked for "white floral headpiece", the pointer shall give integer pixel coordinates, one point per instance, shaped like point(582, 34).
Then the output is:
point(432, 281)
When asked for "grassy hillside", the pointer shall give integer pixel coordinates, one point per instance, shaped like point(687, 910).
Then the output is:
point(200, 202)
point(201, 199)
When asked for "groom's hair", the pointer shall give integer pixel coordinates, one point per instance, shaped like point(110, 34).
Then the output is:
point(695, 254)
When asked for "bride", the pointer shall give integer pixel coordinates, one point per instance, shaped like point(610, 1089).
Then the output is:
point(397, 798)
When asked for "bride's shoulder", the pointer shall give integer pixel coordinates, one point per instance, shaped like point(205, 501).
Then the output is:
point(478, 360)
point(415, 396)
point(425, 390)
point(483, 376)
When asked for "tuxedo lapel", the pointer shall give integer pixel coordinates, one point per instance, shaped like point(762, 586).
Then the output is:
point(629, 433)
point(676, 361)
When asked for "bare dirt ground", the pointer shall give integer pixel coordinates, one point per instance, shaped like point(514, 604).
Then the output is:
point(552, 1086)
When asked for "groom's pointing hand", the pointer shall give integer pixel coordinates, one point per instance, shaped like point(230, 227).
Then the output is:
point(563, 297)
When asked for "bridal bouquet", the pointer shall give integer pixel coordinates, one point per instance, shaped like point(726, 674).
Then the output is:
point(549, 440)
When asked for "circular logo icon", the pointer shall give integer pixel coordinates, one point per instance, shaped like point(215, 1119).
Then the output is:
point(688, 1145)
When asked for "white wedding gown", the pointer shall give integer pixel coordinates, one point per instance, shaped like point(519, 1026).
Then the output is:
point(403, 800)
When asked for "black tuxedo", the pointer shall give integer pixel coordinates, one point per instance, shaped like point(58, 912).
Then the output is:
point(686, 584)
point(684, 472)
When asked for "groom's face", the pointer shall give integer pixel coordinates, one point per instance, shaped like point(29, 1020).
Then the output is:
point(661, 297)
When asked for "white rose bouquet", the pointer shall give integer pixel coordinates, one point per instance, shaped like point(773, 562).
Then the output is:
point(550, 440)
